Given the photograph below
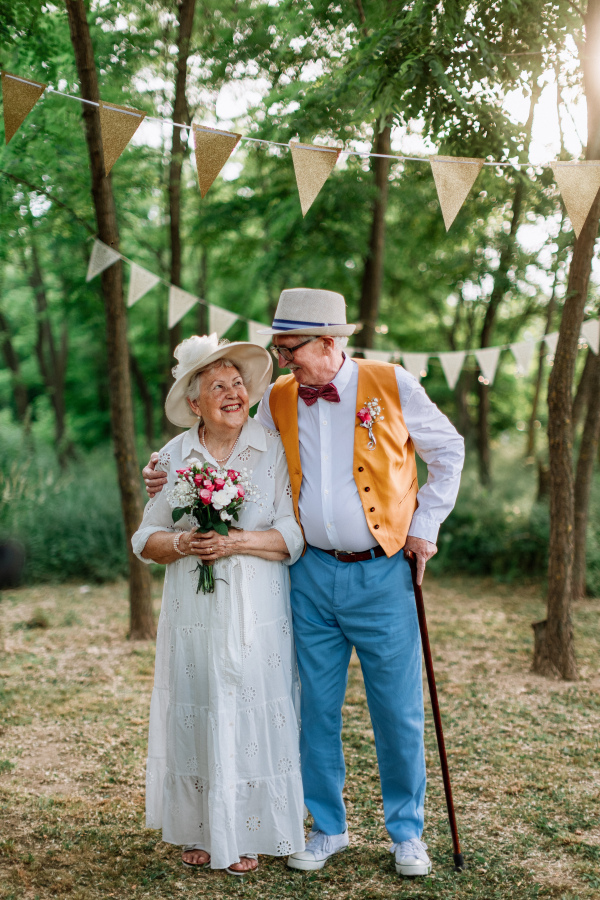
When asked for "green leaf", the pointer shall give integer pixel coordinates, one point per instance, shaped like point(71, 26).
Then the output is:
point(221, 528)
point(178, 514)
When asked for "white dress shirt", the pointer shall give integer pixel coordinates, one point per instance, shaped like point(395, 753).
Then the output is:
point(331, 511)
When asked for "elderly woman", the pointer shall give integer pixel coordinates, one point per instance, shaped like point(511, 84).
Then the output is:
point(223, 775)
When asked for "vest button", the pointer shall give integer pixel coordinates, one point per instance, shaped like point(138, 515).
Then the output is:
point(373, 510)
point(367, 489)
point(375, 526)
point(361, 469)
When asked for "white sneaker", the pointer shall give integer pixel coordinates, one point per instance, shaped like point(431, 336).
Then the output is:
point(319, 847)
point(411, 858)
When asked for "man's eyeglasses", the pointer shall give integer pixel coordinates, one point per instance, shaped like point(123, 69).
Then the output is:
point(288, 352)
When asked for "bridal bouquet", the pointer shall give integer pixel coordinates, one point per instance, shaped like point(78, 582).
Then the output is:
point(214, 498)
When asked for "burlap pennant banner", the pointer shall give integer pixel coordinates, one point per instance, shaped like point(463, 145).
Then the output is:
point(263, 340)
point(118, 124)
point(312, 166)
point(590, 332)
point(140, 282)
point(220, 320)
point(416, 364)
point(551, 340)
point(523, 354)
point(180, 303)
point(19, 96)
point(454, 177)
point(578, 183)
point(101, 258)
point(212, 148)
point(487, 360)
point(378, 355)
point(452, 363)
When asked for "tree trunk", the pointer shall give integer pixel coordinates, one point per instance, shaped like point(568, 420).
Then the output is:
point(52, 360)
point(554, 650)
point(373, 267)
point(178, 148)
point(582, 394)
point(12, 362)
point(142, 623)
point(202, 284)
point(146, 398)
point(584, 474)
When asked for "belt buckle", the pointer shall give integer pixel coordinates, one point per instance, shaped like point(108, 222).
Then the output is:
point(342, 552)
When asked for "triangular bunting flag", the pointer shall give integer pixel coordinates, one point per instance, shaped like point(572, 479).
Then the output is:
point(379, 355)
point(452, 364)
point(118, 124)
point(590, 332)
point(220, 320)
point(101, 258)
point(416, 364)
point(454, 177)
point(19, 96)
point(213, 148)
point(578, 183)
point(312, 166)
point(180, 302)
point(551, 340)
point(523, 354)
point(263, 340)
point(140, 282)
point(487, 360)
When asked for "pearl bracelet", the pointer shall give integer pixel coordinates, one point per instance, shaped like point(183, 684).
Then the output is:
point(176, 539)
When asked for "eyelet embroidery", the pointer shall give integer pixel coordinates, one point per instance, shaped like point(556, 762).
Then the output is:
point(278, 720)
point(252, 823)
point(248, 694)
point(284, 848)
point(251, 749)
point(164, 461)
point(285, 765)
point(191, 763)
point(275, 587)
point(274, 660)
point(190, 670)
point(285, 627)
point(281, 803)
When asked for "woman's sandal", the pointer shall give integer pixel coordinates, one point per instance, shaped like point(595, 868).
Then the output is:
point(193, 848)
point(239, 872)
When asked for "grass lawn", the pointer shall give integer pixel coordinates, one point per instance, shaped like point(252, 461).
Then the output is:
point(524, 758)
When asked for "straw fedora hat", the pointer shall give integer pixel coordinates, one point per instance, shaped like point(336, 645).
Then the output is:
point(253, 362)
point(308, 311)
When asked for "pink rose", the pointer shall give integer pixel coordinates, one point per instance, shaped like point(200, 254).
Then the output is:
point(208, 485)
point(205, 496)
point(364, 415)
point(219, 483)
point(231, 473)
point(197, 480)
point(241, 491)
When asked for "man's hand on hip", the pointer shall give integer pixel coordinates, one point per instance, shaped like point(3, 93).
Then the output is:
point(153, 480)
point(421, 549)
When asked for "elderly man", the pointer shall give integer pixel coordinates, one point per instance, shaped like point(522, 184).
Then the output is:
point(350, 429)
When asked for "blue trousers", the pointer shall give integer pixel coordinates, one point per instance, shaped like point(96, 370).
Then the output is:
point(369, 605)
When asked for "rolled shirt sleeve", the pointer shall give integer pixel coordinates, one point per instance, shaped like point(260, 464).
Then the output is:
point(441, 447)
point(158, 515)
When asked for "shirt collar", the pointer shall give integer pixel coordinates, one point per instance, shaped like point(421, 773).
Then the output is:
point(344, 375)
point(252, 435)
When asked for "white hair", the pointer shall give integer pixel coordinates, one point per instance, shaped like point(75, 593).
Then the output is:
point(339, 342)
point(193, 389)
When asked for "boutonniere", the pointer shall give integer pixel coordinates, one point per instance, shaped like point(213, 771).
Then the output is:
point(367, 416)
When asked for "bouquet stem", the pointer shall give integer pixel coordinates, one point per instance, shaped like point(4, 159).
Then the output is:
point(206, 578)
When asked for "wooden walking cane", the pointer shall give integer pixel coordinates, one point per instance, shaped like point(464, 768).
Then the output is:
point(458, 857)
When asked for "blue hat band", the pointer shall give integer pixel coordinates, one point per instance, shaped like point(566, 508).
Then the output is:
point(292, 324)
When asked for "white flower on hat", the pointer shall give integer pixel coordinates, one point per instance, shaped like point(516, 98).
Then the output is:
point(193, 349)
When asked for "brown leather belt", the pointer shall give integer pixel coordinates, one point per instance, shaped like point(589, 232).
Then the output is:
point(342, 556)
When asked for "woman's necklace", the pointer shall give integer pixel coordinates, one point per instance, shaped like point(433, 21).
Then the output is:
point(223, 458)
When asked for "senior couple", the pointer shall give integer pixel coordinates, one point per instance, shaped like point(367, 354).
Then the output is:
point(317, 566)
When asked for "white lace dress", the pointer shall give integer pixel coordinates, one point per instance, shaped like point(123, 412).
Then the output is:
point(223, 769)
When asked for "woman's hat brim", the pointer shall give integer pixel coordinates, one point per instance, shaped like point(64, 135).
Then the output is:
point(254, 363)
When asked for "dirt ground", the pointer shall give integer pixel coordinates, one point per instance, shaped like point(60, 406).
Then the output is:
point(524, 756)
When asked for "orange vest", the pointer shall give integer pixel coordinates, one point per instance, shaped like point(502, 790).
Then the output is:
point(386, 477)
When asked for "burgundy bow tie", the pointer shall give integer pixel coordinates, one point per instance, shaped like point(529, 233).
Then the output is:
point(311, 395)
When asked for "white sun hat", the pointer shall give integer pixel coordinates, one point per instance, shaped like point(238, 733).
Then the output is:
point(254, 363)
point(308, 311)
